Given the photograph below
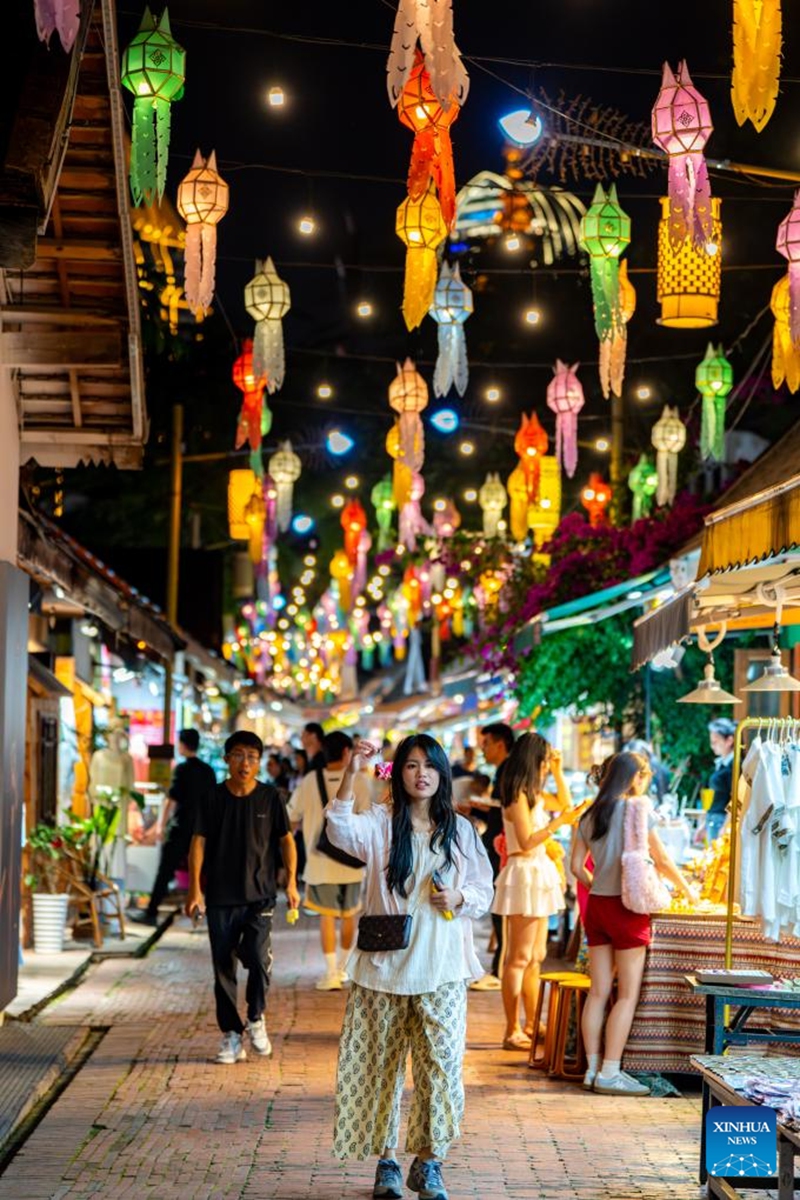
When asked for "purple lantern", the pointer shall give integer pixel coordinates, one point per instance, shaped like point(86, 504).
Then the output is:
point(681, 127)
point(565, 398)
point(788, 244)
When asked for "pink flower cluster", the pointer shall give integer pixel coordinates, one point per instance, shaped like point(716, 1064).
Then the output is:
point(383, 771)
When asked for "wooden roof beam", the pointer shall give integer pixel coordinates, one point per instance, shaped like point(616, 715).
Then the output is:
point(65, 349)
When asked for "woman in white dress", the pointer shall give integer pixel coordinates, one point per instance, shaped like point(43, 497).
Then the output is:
point(528, 889)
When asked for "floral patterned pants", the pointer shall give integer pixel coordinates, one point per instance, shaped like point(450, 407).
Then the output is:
point(379, 1029)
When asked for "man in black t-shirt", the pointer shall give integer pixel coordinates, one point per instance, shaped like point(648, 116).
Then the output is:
point(191, 780)
point(240, 830)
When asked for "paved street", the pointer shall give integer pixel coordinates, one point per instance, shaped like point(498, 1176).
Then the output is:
point(150, 1116)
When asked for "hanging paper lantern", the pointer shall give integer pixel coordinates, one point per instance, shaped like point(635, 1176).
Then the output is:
point(788, 244)
point(689, 276)
point(202, 202)
point(342, 571)
point(756, 60)
point(242, 486)
point(595, 498)
point(492, 498)
point(267, 300)
point(491, 584)
point(714, 380)
point(530, 444)
point(681, 127)
point(154, 69)
point(643, 482)
point(565, 398)
point(614, 348)
point(411, 523)
point(421, 226)
point(446, 520)
point(605, 233)
point(401, 473)
point(544, 516)
point(669, 438)
point(382, 497)
point(57, 16)
point(452, 304)
point(518, 504)
point(408, 396)
point(431, 23)
point(785, 354)
point(353, 521)
point(432, 153)
point(284, 467)
point(249, 427)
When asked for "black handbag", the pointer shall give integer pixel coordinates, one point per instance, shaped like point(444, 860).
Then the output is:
point(391, 931)
point(324, 844)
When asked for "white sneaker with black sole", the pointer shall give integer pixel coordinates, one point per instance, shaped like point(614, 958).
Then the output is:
point(231, 1049)
point(259, 1038)
point(621, 1084)
point(329, 983)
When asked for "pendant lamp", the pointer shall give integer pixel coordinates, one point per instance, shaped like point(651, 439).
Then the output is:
point(709, 690)
point(775, 677)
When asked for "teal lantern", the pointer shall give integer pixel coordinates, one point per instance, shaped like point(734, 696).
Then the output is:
point(382, 497)
point(154, 69)
point(714, 380)
point(643, 482)
point(605, 233)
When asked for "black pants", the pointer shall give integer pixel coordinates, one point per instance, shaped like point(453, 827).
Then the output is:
point(497, 920)
point(174, 850)
point(243, 932)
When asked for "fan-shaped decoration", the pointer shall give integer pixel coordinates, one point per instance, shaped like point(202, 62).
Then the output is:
point(530, 444)
point(565, 398)
point(353, 521)
point(421, 226)
point(284, 467)
point(154, 69)
point(614, 348)
point(57, 16)
point(605, 233)
point(643, 482)
point(681, 127)
point(408, 396)
point(714, 380)
point(432, 153)
point(202, 202)
point(785, 354)
point(595, 498)
point(267, 300)
point(452, 304)
point(249, 427)
point(669, 438)
point(756, 60)
point(382, 497)
point(788, 244)
point(489, 202)
point(431, 23)
point(689, 276)
point(492, 498)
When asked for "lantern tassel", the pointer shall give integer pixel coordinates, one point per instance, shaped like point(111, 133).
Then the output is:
point(201, 260)
point(143, 152)
point(419, 285)
point(57, 16)
point(690, 193)
point(284, 505)
point(667, 469)
point(268, 353)
point(452, 367)
point(401, 53)
point(411, 440)
point(432, 159)
point(163, 124)
point(712, 428)
point(567, 441)
point(402, 478)
point(756, 60)
point(605, 294)
point(794, 302)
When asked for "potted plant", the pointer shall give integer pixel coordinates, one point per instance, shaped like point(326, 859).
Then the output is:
point(47, 846)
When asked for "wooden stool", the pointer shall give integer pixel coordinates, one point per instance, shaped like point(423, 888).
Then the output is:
point(560, 1066)
point(548, 987)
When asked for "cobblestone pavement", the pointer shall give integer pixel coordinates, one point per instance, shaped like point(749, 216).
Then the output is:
point(150, 1116)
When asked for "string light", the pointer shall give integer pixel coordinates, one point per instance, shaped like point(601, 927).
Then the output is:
point(470, 495)
point(306, 226)
point(351, 482)
point(364, 309)
point(467, 448)
point(337, 501)
point(439, 505)
point(643, 392)
point(276, 97)
point(512, 243)
point(532, 316)
point(602, 445)
point(324, 391)
point(493, 394)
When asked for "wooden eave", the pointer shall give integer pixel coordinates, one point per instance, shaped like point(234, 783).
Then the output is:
point(69, 323)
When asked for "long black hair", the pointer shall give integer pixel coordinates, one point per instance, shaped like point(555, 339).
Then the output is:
point(442, 813)
point(616, 783)
point(523, 770)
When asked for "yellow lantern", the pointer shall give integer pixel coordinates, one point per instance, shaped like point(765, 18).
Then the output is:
point(422, 227)
point(492, 498)
point(545, 515)
point(517, 485)
point(402, 476)
point(242, 487)
point(342, 571)
point(492, 584)
point(255, 514)
point(689, 276)
point(785, 354)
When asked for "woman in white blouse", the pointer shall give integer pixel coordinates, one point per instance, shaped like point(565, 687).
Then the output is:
point(415, 998)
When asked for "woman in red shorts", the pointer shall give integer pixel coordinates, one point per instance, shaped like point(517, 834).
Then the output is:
point(618, 938)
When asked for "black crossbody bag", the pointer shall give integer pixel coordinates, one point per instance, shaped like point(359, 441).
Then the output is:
point(324, 844)
point(390, 931)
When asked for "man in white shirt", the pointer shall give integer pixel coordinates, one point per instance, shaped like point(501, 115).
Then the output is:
point(332, 889)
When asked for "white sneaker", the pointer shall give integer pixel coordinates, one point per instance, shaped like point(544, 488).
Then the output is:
point(259, 1038)
point(231, 1049)
point(329, 983)
point(343, 976)
point(488, 983)
point(589, 1078)
point(620, 1085)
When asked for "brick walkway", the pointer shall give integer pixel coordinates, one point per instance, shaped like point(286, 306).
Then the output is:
point(149, 1116)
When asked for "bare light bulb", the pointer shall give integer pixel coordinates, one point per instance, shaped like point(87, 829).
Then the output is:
point(364, 308)
point(324, 391)
point(306, 226)
point(533, 316)
point(493, 394)
point(276, 97)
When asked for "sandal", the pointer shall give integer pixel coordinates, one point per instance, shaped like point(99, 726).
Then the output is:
point(528, 1030)
point(517, 1041)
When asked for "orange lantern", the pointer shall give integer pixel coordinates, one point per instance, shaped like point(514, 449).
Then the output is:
point(422, 227)
point(353, 522)
point(342, 571)
point(530, 444)
point(249, 427)
point(595, 498)
point(432, 153)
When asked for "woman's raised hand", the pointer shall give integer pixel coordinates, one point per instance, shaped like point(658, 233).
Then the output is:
point(363, 751)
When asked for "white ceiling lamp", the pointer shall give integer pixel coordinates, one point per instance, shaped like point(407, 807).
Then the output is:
point(709, 690)
point(775, 677)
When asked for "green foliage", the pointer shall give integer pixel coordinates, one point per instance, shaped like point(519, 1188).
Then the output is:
point(47, 846)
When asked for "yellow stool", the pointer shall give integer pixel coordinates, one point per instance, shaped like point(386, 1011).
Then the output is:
point(560, 1066)
point(548, 989)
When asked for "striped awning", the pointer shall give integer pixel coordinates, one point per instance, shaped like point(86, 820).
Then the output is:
point(752, 530)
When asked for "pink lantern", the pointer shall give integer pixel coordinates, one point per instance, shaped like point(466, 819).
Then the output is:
point(788, 244)
point(61, 16)
point(565, 398)
point(682, 125)
point(411, 524)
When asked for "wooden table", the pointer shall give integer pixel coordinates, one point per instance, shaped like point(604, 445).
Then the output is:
point(719, 1075)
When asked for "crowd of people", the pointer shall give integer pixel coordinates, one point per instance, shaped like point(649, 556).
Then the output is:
point(397, 852)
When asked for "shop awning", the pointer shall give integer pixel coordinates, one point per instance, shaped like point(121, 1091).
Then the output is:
point(754, 529)
point(668, 625)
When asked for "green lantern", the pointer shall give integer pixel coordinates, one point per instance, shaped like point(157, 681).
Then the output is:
point(382, 497)
point(605, 233)
point(154, 69)
point(643, 482)
point(714, 380)
point(266, 420)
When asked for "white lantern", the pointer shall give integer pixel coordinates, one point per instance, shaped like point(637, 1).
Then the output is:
point(668, 438)
point(267, 300)
point(284, 467)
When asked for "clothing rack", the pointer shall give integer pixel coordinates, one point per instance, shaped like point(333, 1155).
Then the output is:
point(772, 725)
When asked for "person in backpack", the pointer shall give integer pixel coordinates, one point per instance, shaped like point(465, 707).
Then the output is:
point(333, 889)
